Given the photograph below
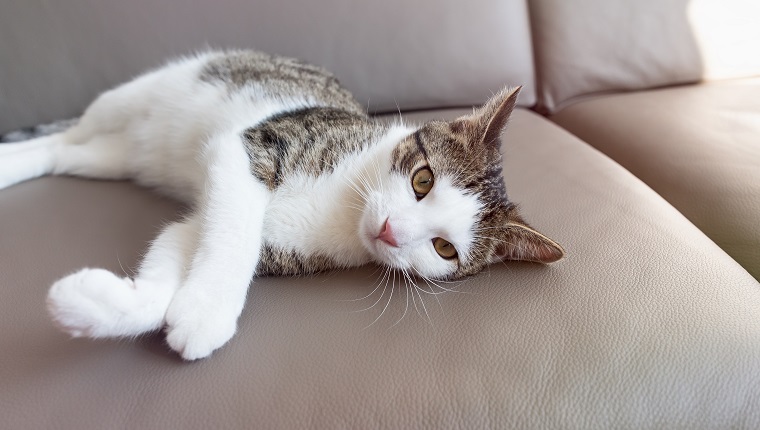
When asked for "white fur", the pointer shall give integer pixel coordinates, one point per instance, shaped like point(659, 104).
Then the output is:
point(168, 130)
point(445, 212)
point(203, 313)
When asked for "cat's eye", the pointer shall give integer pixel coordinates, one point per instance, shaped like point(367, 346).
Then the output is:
point(444, 248)
point(422, 182)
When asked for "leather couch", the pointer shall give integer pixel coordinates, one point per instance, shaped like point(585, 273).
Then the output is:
point(636, 147)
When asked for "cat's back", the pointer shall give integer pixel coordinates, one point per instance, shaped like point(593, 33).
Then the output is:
point(203, 94)
point(166, 116)
point(252, 73)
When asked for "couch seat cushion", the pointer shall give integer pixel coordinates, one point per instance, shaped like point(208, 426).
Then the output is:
point(698, 146)
point(646, 323)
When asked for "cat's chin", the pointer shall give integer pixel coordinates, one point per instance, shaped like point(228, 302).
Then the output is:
point(380, 252)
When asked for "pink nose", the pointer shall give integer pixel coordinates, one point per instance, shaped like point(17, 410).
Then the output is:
point(386, 234)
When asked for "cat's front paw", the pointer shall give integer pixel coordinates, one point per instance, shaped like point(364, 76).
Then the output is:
point(195, 328)
point(89, 303)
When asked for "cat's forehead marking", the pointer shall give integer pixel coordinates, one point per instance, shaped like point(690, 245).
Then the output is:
point(472, 166)
point(408, 155)
point(420, 146)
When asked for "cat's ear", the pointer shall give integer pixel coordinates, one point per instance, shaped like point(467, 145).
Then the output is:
point(484, 125)
point(521, 242)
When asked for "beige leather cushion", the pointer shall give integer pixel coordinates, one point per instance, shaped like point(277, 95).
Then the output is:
point(698, 146)
point(646, 324)
point(55, 57)
point(591, 46)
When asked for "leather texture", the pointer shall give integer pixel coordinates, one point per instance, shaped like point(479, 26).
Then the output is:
point(594, 46)
point(645, 324)
point(697, 146)
point(56, 57)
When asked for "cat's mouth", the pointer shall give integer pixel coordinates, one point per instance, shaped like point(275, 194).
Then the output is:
point(381, 241)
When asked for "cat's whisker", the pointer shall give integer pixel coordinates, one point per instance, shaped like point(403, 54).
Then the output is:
point(375, 174)
point(428, 281)
point(417, 290)
point(355, 203)
point(405, 308)
point(449, 290)
point(357, 189)
point(379, 179)
point(365, 186)
point(353, 206)
point(386, 305)
point(122, 266)
point(363, 193)
point(356, 200)
point(432, 292)
point(377, 269)
point(365, 175)
point(414, 302)
point(382, 294)
point(443, 281)
point(385, 274)
point(433, 282)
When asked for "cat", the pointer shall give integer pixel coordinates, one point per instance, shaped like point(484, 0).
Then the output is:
point(287, 175)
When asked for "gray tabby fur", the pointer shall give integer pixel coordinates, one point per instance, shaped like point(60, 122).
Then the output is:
point(280, 77)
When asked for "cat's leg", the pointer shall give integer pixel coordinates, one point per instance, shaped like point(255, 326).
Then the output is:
point(78, 151)
point(100, 145)
point(203, 314)
point(97, 303)
point(27, 160)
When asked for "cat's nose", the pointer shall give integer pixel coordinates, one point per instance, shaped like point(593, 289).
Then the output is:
point(386, 234)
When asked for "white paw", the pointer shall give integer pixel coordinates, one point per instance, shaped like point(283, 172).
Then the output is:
point(196, 326)
point(90, 303)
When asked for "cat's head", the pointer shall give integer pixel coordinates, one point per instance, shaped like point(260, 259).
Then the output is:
point(442, 211)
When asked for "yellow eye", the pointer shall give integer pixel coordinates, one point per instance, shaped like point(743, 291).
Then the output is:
point(422, 182)
point(444, 248)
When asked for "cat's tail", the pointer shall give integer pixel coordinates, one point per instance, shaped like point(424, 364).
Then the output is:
point(28, 159)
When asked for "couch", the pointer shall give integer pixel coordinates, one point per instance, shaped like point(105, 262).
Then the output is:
point(630, 148)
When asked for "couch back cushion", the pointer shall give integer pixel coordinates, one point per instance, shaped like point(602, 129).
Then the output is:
point(55, 57)
point(593, 46)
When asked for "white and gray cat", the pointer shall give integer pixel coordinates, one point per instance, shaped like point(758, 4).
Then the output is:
point(287, 175)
